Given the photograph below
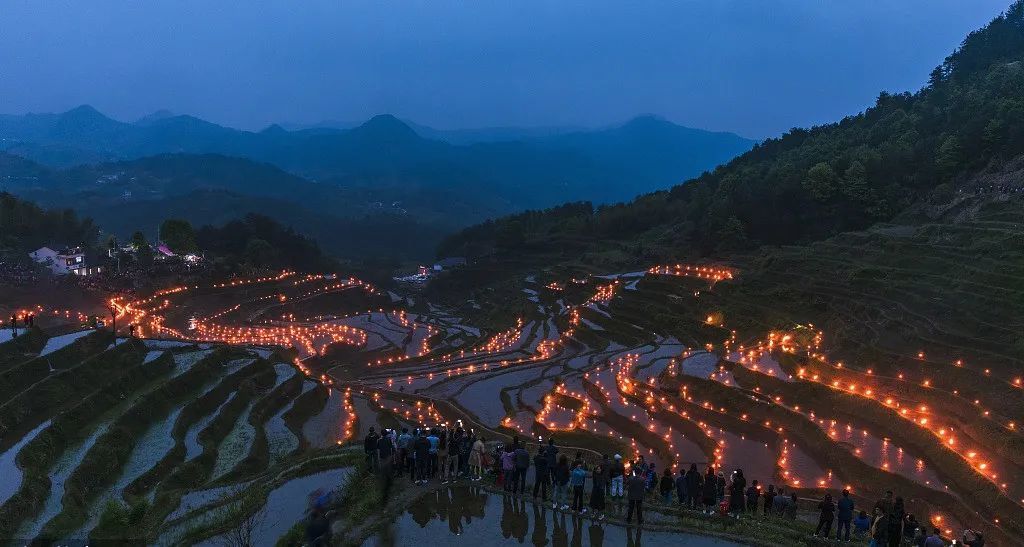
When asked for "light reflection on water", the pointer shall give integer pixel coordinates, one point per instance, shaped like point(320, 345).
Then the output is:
point(466, 515)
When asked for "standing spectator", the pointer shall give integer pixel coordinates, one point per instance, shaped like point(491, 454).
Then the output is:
point(404, 456)
point(769, 499)
point(779, 502)
point(435, 445)
point(561, 478)
point(791, 507)
point(577, 481)
point(737, 491)
point(720, 487)
point(540, 474)
point(552, 454)
point(444, 441)
point(666, 486)
point(681, 490)
point(476, 458)
point(600, 483)
point(606, 469)
point(508, 466)
point(710, 491)
point(636, 488)
point(753, 494)
point(650, 478)
point(421, 452)
point(844, 516)
point(370, 447)
point(879, 528)
point(522, 461)
point(386, 453)
point(617, 474)
point(465, 451)
point(895, 523)
point(694, 482)
point(413, 470)
point(826, 513)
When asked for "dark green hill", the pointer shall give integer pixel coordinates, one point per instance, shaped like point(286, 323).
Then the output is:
point(809, 184)
point(24, 226)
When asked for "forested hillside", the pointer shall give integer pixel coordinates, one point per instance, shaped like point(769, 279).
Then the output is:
point(25, 226)
point(212, 189)
point(260, 242)
point(809, 184)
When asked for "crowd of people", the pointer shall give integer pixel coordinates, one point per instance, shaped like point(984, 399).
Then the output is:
point(443, 453)
point(450, 454)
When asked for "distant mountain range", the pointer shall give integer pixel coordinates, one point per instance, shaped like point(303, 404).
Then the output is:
point(529, 168)
point(441, 179)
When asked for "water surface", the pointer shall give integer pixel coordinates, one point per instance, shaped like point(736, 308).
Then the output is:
point(465, 515)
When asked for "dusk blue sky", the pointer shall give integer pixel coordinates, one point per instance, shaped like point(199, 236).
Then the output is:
point(756, 67)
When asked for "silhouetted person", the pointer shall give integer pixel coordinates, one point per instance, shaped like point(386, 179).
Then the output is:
point(370, 447)
point(769, 499)
point(753, 493)
point(844, 516)
point(709, 492)
point(522, 465)
point(737, 491)
point(694, 482)
point(826, 512)
point(540, 474)
point(895, 523)
point(636, 487)
point(681, 487)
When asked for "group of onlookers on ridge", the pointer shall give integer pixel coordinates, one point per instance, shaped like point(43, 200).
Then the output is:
point(453, 453)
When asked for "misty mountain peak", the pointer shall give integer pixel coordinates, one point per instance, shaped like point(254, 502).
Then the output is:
point(274, 129)
point(83, 121)
point(84, 113)
point(385, 127)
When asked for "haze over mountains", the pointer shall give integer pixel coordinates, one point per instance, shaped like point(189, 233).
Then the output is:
point(379, 173)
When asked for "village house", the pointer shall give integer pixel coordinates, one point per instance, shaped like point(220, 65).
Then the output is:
point(63, 260)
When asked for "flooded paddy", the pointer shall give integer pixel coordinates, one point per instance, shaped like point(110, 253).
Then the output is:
point(192, 446)
point(468, 516)
point(235, 446)
point(324, 429)
point(10, 473)
point(286, 505)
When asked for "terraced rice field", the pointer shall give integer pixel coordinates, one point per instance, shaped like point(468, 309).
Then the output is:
point(849, 384)
point(137, 426)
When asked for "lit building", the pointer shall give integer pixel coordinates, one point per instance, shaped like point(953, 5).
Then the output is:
point(64, 260)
